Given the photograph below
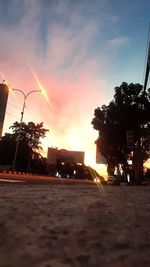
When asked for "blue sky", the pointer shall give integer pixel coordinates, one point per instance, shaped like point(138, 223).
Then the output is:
point(79, 50)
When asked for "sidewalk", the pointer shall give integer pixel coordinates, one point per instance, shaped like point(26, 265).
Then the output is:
point(74, 226)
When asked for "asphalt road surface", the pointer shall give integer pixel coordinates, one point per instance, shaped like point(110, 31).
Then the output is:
point(30, 178)
point(47, 225)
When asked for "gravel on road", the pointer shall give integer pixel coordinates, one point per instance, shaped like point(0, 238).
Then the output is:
point(74, 225)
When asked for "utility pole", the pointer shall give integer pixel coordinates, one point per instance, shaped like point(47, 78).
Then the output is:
point(147, 61)
point(21, 121)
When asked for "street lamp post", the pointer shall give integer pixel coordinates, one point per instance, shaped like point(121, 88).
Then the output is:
point(21, 120)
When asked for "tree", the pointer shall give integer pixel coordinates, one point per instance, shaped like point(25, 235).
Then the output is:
point(29, 144)
point(129, 110)
point(30, 133)
point(7, 148)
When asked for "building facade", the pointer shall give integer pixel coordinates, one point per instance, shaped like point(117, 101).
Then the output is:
point(66, 156)
point(3, 103)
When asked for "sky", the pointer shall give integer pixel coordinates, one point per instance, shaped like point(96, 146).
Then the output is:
point(78, 51)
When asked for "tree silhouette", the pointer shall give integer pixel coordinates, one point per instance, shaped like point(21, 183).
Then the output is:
point(129, 110)
point(30, 133)
point(29, 143)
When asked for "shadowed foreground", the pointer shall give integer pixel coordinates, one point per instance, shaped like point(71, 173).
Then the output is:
point(74, 225)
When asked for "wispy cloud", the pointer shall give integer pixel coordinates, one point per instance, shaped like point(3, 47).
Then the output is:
point(114, 19)
point(118, 42)
point(56, 39)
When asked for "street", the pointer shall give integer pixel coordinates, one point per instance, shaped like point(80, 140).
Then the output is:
point(47, 225)
point(34, 178)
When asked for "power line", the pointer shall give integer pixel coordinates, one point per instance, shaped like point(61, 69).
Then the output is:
point(19, 108)
point(29, 112)
point(12, 115)
point(14, 105)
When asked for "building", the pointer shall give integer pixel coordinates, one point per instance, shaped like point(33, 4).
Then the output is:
point(62, 155)
point(52, 155)
point(3, 103)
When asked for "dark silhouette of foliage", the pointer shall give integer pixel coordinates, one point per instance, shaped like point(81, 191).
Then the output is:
point(129, 110)
point(7, 149)
point(30, 133)
point(29, 143)
point(39, 164)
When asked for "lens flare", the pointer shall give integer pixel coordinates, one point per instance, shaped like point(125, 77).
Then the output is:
point(41, 87)
point(99, 184)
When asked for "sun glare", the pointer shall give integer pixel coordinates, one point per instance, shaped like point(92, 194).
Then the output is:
point(73, 138)
point(90, 159)
point(74, 141)
point(41, 87)
point(77, 140)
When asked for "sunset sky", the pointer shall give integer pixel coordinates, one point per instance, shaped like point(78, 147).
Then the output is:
point(78, 50)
